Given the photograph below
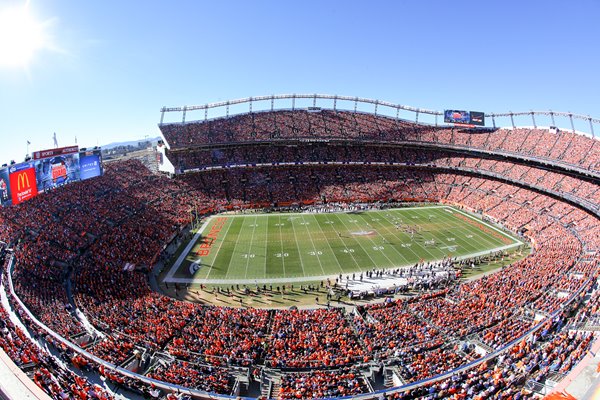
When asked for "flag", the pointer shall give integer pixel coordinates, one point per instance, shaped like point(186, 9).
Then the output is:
point(55, 141)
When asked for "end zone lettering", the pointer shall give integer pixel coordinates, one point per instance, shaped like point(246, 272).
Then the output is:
point(204, 248)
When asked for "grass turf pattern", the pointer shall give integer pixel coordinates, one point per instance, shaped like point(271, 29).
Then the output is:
point(264, 248)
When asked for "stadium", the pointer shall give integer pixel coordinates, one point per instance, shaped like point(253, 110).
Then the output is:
point(310, 246)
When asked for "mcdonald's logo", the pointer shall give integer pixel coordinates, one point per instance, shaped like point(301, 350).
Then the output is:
point(23, 181)
point(23, 185)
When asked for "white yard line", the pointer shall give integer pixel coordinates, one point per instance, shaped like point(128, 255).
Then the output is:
point(187, 249)
point(250, 247)
point(222, 240)
point(313, 245)
point(237, 241)
point(486, 224)
point(448, 220)
point(297, 247)
point(183, 255)
point(266, 248)
point(330, 248)
point(411, 242)
point(375, 265)
point(169, 278)
point(281, 247)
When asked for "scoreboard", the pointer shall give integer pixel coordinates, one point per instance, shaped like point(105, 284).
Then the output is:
point(47, 170)
point(90, 164)
point(466, 118)
point(56, 167)
point(17, 183)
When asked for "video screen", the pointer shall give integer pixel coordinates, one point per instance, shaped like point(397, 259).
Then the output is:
point(5, 197)
point(464, 117)
point(477, 118)
point(90, 164)
point(23, 185)
point(56, 171)
point(457, 117)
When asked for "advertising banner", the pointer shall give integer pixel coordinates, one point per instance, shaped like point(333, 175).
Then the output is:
point(56, 171)
point(5, 197)
point(61, 151)
point(90, 164)
point(461, 117)
point(22, 182)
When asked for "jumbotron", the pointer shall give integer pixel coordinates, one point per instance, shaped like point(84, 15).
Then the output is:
point(116, 286)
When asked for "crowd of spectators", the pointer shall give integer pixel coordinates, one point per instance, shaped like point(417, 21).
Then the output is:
point(505, 376)
point(388, 328)
point(346, 381)
point(224, 335)
point(202, 377)
point(88, 232)
point(54, 379)
point(313, 338)
point(545, 143)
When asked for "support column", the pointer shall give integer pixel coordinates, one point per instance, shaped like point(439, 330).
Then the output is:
point(571, 119)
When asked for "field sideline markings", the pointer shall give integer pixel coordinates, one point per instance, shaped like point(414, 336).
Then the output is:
point(216, 253)
point(400, 239)
point(449, 220)
point(330, 248)
point(335, 212)
point(317, 278)
point(250, 248)
point(486, 224)
point(375, 265)
point(186, 250)
point(482, 235)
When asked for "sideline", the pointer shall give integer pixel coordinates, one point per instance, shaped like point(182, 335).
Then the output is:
point(169, 278)
point(186, 251)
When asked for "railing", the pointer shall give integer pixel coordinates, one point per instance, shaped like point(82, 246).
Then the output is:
point(537, 160)
point(581, 202)
point(207, 395)
point(149, 381)
point(313, 102)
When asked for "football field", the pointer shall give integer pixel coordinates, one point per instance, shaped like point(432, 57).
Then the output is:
point(287, 247)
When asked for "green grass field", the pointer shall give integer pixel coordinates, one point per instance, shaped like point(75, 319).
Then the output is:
point(278, 248)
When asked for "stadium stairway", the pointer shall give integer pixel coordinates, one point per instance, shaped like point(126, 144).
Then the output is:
point(392, 377)
point(270, 385)
point(480, 347)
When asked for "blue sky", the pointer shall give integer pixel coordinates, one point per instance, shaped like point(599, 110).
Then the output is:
point(107, 67)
